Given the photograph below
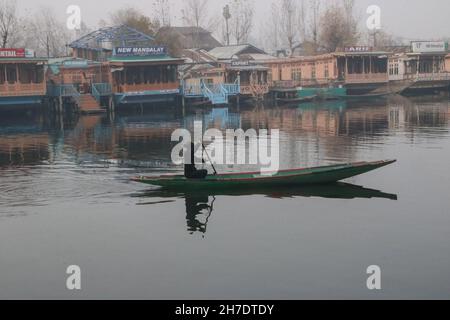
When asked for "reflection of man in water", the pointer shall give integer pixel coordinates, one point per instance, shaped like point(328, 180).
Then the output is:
point(194, 207)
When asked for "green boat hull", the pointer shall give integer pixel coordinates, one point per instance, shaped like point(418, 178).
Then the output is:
point(295, 177)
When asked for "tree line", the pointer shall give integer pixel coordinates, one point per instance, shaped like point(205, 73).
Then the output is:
point(312, 25)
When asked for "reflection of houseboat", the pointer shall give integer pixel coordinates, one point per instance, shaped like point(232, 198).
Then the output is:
point(22, 80)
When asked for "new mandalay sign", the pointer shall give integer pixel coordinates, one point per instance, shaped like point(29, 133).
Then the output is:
point(139, 51)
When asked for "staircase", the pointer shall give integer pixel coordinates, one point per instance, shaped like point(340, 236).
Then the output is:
point(217, 94)
point(87, 104)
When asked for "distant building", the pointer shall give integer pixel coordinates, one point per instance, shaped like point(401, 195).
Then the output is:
point(233, 52)
point(189, 37)
point(192, 56)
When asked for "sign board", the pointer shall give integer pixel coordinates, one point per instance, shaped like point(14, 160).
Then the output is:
point(358, 49)
point(139, 51)
point(16, 53)
point(12, 53)
point(429, 46)
point(29, 53)
point(240, 63)
point(75, 63)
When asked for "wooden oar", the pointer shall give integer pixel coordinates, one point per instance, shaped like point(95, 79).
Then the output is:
point(215, 171)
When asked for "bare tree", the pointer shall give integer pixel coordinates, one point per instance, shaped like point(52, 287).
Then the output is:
point(133, 18)
point(241, 20)
point(274, 28)
point(337, 31)
point(195, 13)
point(8, 21)
point(46, 34)
point(162, 12)
point(289, 22)
point(302, 15)
point(315, 22)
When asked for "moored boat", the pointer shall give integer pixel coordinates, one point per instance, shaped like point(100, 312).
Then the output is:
point(305, 176)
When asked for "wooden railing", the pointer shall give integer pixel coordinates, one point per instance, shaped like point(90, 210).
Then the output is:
point(366, 78)
point(442, 76)
point(254, 89)
point(126, 88)
point(22, 89)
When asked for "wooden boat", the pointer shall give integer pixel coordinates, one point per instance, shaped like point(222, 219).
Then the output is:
point(293, 177)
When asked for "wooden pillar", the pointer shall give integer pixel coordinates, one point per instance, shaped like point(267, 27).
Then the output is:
point(183, 106)
point(363, 64)
point(346, 67)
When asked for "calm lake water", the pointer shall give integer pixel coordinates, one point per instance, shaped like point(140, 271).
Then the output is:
point(66, 199)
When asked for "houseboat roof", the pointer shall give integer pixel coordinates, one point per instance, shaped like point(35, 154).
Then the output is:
point(146, 59)
point(56, 64)
point(23, 60)
point(248, 68)
point(366, 53)
point(190, 37)
point(122, 34)
point(228, 52)
point(440, 53)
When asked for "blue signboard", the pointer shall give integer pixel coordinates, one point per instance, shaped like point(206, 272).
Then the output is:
point(139, 51)
point(75, 64)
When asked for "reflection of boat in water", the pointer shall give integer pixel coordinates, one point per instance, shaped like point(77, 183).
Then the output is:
point(295, 177)
point(338, 190)
point(200, 204)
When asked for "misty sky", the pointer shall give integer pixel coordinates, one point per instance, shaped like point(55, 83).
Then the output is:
point(417, 19)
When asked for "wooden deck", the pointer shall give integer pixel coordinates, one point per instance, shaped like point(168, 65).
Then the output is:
point(21, 89)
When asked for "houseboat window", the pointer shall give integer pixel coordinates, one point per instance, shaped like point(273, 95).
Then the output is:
point(326, 72)
point(245, 77)
point(296, 74)
point(313, 72)
point(11, 73)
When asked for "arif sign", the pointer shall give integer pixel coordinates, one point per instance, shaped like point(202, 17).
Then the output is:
point(139, 51)
point(358, 49)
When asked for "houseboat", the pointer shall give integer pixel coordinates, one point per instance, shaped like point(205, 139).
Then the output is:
point(144, 75)
point(352, 71)
point(83, 83)
point(424, 67)
point(22, 79)
point(253, 79)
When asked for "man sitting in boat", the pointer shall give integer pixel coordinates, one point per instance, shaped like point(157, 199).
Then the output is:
point(190, 171)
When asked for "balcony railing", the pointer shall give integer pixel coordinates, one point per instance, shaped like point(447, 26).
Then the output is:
point(443, 76)
point(292, 84)
point(129, 88)
point(254, 89)
point(366, 78)
point(22, 89)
